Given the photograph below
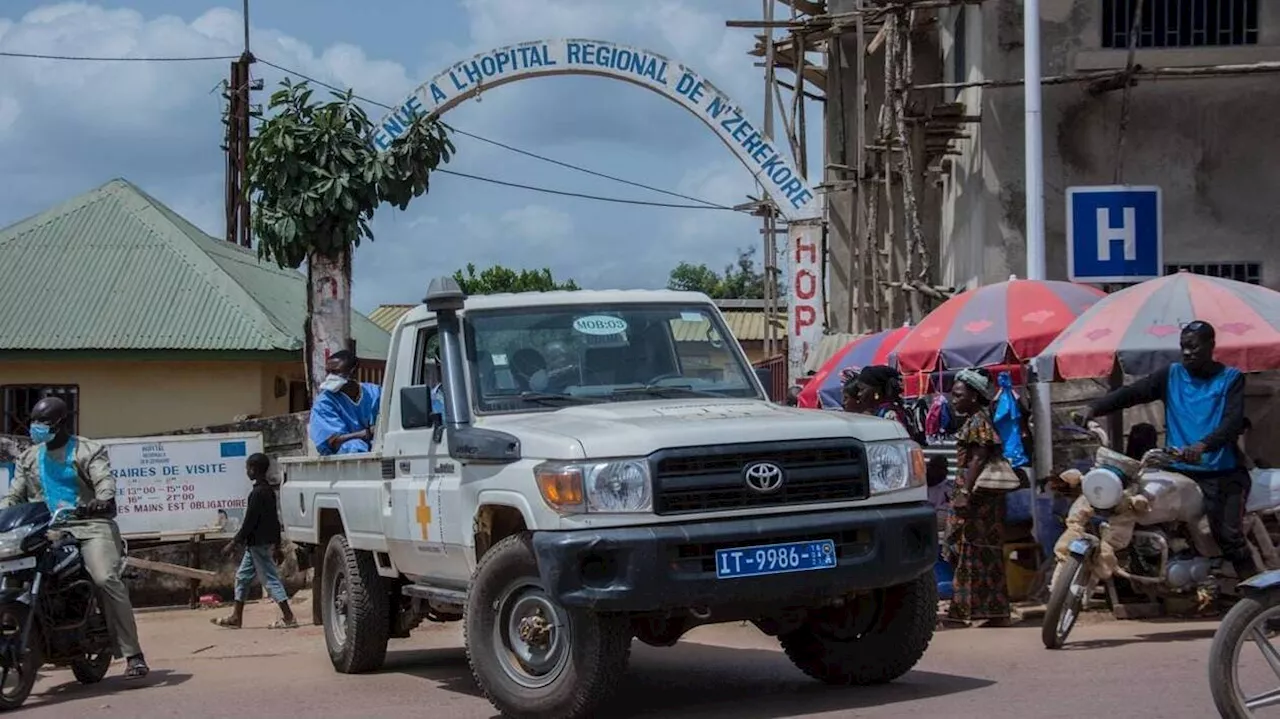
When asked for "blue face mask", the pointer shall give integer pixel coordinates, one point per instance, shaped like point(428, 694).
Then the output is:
point(41, 432)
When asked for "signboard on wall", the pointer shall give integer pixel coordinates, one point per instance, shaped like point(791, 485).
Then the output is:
point(805, 296)
point(1114, 234)
point(186, 484)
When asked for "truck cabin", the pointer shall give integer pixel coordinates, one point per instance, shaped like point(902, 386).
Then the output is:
point(548, 351)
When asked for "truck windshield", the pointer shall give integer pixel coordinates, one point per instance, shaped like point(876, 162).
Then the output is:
point(552, 357)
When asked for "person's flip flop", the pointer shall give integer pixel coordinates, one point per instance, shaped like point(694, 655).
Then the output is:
point(224, 622)
point(282, 624)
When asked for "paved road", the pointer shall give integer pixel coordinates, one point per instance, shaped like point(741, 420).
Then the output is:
point(1129, 669)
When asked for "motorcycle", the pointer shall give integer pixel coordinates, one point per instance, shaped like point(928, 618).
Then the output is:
point(1144, 523)
point(1252, 619)
point(50, 611)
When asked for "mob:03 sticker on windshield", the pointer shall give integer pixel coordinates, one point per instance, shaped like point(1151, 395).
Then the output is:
point(600, 325)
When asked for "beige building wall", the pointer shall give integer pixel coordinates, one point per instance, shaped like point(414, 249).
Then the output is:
point(1210, 144)
point(122, 398)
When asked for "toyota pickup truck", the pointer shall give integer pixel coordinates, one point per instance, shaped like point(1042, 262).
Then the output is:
point(605, 466)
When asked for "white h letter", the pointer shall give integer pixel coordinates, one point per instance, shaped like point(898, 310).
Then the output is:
point(1108, 234)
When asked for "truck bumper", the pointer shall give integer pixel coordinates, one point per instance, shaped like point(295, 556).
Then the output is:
point(657, 567)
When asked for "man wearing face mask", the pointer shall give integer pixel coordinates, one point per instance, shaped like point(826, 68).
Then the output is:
point(63, 470)
point(343, 414)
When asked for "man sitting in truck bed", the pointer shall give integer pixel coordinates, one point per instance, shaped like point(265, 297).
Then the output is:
point(343, 414)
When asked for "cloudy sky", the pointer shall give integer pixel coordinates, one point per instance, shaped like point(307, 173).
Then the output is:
point(66, 127)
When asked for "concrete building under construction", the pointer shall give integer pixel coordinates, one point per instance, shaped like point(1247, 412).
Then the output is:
point(925, 186)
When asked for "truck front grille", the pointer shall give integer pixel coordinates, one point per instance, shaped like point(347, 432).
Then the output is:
point(708, 479)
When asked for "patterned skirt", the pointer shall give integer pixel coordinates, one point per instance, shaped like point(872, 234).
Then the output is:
point(975, 548)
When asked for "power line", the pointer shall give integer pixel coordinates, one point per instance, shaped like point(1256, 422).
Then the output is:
point(702, 204)
point(566, 193)
point(705, 203)
point(88, 58)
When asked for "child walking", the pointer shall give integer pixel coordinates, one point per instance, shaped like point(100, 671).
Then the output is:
point(259, 535)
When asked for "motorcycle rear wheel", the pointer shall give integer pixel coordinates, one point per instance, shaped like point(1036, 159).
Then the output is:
point(11, 618)
point(1066, 599)
point(1240, 625)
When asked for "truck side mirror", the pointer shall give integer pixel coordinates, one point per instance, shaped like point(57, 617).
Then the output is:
point(415, 408)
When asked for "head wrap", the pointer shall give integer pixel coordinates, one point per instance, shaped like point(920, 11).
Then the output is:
point(883, 379)
point(848, 376)
point(977, 381)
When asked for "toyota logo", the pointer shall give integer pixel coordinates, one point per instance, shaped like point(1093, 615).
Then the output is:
point(763, 477)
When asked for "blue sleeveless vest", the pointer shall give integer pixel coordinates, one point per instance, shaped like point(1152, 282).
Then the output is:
point(1193, 408)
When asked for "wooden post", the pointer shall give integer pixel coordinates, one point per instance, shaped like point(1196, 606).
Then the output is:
point(193, 559)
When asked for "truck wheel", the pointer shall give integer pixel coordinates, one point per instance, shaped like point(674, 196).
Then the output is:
point(532, 657)
point(355, 608)
point(872, 641)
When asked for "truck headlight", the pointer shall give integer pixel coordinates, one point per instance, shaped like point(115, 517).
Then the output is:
point(618, 485)
point(11, 541)
point(894, 466)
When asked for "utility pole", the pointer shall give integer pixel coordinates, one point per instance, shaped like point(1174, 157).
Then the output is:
point(237, 143)
point(1034, 140)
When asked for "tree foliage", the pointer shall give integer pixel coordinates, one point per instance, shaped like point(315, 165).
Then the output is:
point(501, 279)
point(316, 178)
point(740, 280)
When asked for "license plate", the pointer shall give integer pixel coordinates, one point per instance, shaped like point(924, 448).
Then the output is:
point(17, 565)
point(775, 559)
point(1080, 546)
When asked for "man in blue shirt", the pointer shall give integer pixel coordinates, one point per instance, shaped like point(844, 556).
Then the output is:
point(64, 470)
point(1204, 414)
point(345, 410)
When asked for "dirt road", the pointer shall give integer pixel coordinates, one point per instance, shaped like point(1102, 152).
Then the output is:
point(1130, 669)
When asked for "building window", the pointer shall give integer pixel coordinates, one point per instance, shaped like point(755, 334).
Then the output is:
point(959, 62)
point(20, 399)
point(1181, 23)
point(1250, 272)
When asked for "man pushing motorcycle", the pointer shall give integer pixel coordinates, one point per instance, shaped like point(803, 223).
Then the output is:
point(63, 470)
point(1204, 415)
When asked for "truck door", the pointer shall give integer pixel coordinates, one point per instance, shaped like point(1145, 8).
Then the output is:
point(413, 516)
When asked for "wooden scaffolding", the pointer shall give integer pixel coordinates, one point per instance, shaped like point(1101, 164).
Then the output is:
point(889, 133)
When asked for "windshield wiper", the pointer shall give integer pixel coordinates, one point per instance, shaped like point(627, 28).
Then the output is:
point(665, 390)
point(551, 399)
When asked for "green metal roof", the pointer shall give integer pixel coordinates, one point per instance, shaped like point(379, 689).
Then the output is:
point(114, 269)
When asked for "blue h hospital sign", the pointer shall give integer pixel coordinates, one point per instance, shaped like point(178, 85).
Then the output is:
point(1114, 234)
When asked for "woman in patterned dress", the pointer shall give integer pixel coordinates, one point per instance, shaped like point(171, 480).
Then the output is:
point(975, 526)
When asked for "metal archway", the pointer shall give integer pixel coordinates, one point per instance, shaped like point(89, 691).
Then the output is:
point(795, 199)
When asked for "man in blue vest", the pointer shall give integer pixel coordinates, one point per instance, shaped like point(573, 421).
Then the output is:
point(1204, 414)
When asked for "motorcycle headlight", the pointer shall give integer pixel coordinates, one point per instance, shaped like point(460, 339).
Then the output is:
point(618, 485)
point(11, 541)
point(894, 466)
point(1102, 487)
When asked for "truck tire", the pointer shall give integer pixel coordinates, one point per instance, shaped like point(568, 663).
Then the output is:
point(529, 667)
point(355, 607)
point(1065, 603)
point(884, 648)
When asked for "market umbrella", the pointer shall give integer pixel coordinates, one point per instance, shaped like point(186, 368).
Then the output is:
point(993, 324)
point(824, 388)
point(1139, 327)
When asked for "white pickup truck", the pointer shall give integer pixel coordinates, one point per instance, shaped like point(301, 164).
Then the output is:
point(607, 467)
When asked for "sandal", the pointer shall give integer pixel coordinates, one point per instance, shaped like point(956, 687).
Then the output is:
point(225, 623)
point(282, 624)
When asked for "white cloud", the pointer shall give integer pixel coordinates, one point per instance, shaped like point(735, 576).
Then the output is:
point(66, 127)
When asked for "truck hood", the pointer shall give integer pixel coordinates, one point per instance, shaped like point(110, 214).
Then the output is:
point(631, 429)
